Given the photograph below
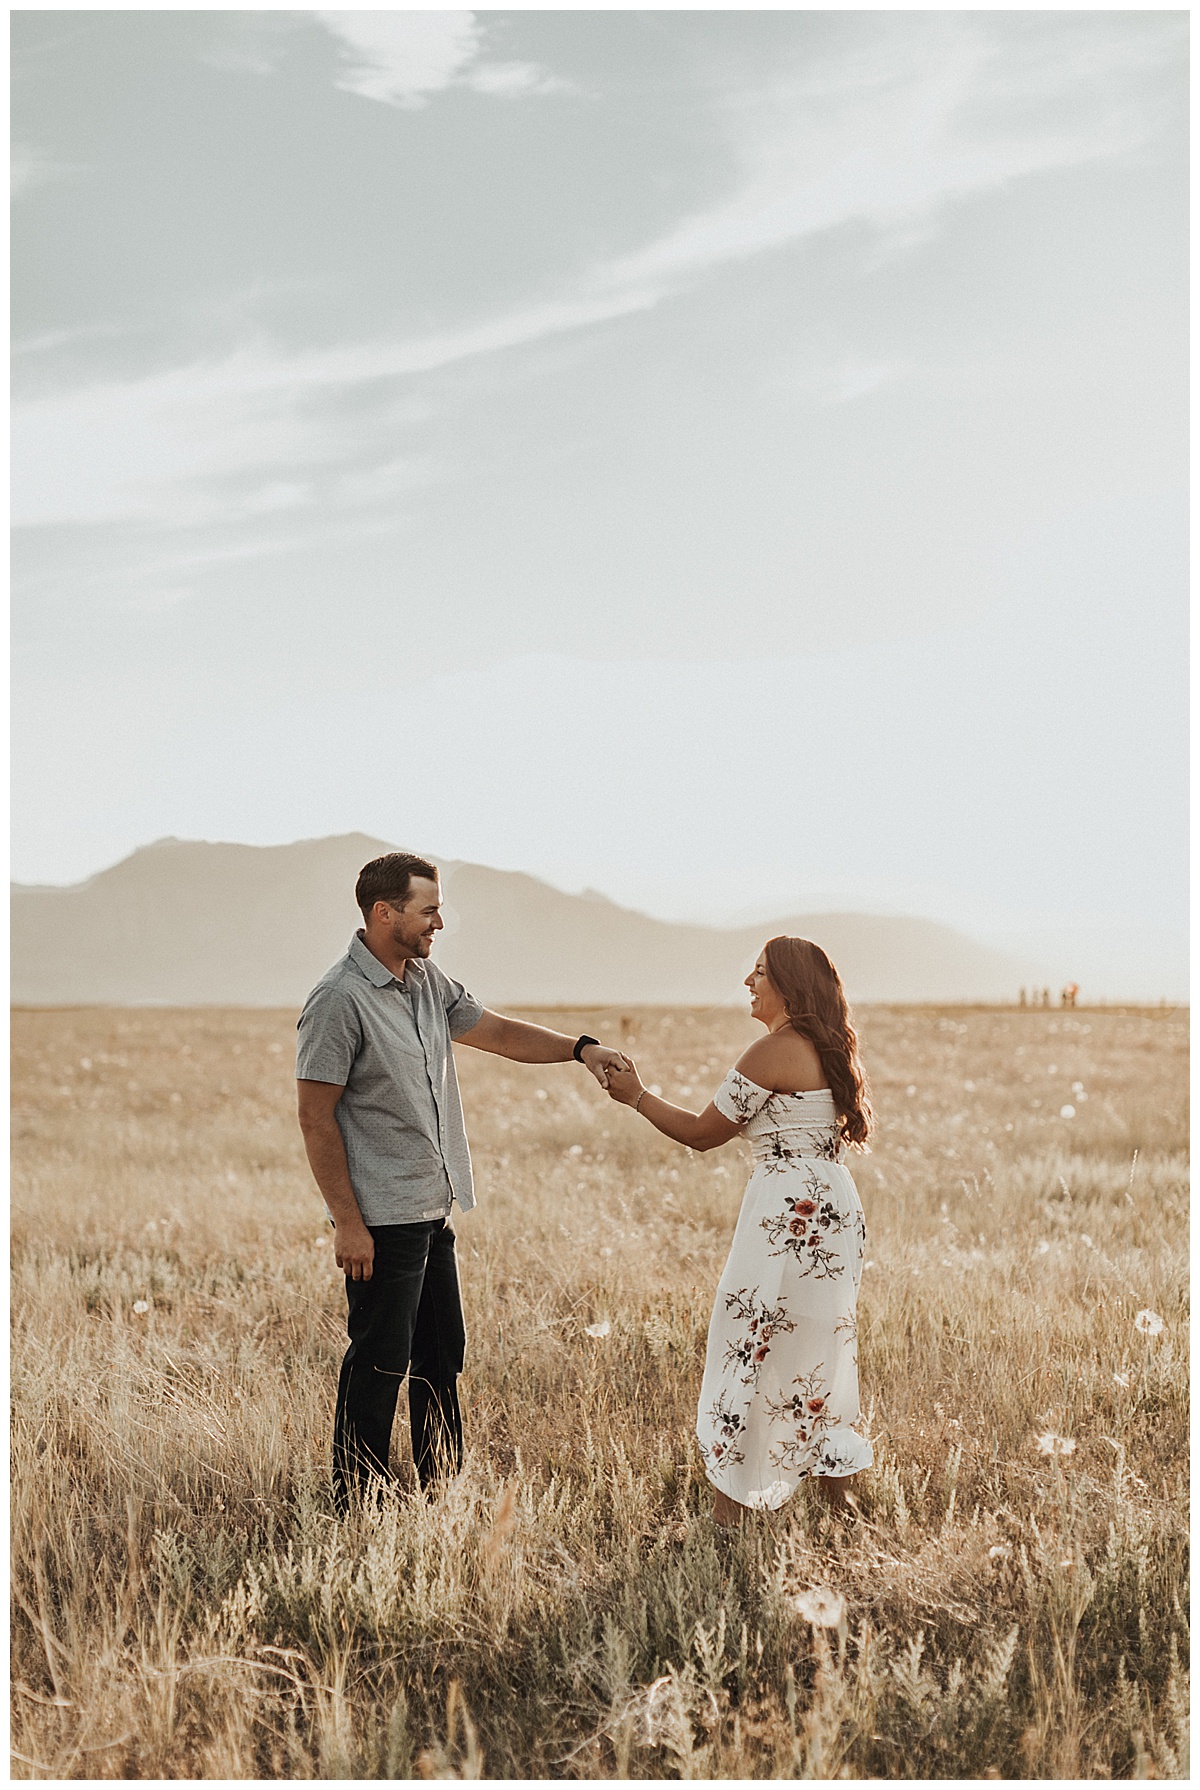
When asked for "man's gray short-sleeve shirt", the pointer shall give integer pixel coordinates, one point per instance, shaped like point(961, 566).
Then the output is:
point(387, 1042)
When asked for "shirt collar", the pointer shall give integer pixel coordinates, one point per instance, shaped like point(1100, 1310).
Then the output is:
point(365, 959)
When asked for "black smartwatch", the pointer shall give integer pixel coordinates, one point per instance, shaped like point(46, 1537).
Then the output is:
point(583, 1039)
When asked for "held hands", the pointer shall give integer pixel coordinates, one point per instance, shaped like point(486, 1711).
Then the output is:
point(625, 1084)
point(602, 1060)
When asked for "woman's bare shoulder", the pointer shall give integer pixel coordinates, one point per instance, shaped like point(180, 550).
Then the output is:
point(784, 1062)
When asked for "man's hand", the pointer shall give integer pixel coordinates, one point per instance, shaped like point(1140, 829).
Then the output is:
point(624, 1083)
point(600, 1059)
point(354, 1248)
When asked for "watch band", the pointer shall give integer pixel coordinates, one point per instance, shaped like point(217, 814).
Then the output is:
point(582, 1039)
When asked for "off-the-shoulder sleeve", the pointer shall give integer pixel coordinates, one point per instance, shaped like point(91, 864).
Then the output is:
point(740, 1099)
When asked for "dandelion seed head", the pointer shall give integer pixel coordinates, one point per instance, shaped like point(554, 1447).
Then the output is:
point(603, 1328)
point(1066, 1112)
point(1149, 1323)
point(141, 1307)
point(821, 1606)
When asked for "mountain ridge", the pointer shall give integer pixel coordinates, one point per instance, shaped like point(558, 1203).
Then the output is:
point(193, 922)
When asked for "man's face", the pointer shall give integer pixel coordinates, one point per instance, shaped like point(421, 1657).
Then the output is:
point(413, 927)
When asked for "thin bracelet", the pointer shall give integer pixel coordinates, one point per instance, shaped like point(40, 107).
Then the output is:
point(637, 1105)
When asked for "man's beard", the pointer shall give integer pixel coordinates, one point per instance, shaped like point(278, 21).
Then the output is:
point(419, 947)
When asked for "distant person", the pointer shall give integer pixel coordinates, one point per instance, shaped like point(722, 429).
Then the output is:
point(383, 1127)
point(779, 1399)
point(1021, 998)
point(1069, 994)
point(1046, 998)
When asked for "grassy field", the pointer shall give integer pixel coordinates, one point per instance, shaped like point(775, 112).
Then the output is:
point(186, 1605)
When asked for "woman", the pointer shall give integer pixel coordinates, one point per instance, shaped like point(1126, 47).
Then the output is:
point(780, 1391)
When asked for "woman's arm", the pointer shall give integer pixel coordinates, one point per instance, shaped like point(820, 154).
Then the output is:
point(699, 1131)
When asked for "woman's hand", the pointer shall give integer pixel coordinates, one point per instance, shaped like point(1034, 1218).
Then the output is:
point(625, 1084)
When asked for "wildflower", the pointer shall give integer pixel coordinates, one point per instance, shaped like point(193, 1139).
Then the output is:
point(1066, 1112)
point(1043, 1248)
point(603, 1328)
point(1049, 1443)
point(141, 1307)
point(575, 1150)
point(1148, 1322)
point(820, 1606)
point(540, 1094)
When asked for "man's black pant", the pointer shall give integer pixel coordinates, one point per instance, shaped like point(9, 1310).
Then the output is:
point(406, 1319)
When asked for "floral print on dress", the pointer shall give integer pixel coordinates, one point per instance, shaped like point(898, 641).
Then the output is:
point(807, 1225)
point(804, 1413)
point(780, 1395)
point(749, 1348)
point(728, 1424)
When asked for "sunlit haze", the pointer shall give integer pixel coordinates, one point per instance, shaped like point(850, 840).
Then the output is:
point(732, 461)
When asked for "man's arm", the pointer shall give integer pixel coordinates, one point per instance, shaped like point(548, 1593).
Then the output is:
point(353, 1244)
point(525, 1043)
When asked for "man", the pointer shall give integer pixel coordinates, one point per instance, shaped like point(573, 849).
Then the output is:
point(383, 1127)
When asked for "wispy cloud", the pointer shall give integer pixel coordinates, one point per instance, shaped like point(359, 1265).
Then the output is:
point(889, 133)
point(30, 169)
point(401, 58)
point(884, 133)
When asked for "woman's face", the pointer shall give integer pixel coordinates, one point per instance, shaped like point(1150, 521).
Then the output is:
point(766, 1002)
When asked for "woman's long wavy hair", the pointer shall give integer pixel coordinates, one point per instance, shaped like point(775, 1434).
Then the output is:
point(816, 1005)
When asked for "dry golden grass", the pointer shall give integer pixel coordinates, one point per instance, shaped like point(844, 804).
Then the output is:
point(186, 1604)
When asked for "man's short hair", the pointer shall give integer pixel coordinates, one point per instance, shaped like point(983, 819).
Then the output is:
point(388, 878)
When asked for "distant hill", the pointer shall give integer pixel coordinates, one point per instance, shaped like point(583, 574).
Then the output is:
point(187, 923)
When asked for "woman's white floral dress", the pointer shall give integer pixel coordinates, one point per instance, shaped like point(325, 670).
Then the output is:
point(780, 1392)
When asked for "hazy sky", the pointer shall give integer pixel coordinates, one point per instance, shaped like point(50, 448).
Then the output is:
point(727, 459)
